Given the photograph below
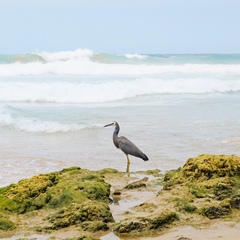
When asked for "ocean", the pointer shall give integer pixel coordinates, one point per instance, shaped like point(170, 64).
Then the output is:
point(53, 106)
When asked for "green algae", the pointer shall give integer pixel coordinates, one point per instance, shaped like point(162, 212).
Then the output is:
point(6, 224)
point(217, 210)
point(135, 185)
point(184, 204)
point(94, 226)
point(74, 238)
point(72, 196)
point(207, 166)
point(83, 238)
point(145, 207)
point(79, 213)
point(235, 202)
point(28, 194)
point(215, 178)
point(145, 225)
point(53, 190)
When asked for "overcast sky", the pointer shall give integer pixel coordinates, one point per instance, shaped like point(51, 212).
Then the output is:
point(120, 26)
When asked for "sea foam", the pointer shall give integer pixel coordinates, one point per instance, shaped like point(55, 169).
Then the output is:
point(87, 67)
point(87, 62)
point(92, 92)
point(34, 125)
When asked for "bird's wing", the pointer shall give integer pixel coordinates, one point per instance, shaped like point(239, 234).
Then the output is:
point(130, 148)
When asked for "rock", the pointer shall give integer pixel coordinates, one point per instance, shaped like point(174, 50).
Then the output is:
point(145, 207)
point(184, 238)
point(135, 185)
point(235, 202)
point(145, 225)
point(80, 213)
point(218, 210)
point(83, 238)
point(72, 196)
point(213, 177)
point(6, 224)
point(95, 226)
point(207, 166)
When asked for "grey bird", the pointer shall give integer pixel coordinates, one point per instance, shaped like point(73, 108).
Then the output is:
point(126, 145)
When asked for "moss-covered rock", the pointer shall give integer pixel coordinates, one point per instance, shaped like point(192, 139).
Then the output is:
point(213, 177)
point(145, 207)
point(208, 166)
point(235, 202)
point(6, 224)
point(95, 226)
point(79, 213)
point(71, 196)
point(28, 194)
point(218, 210)
point(145, 225)
point(184, 238)
point(53, 190)
point(184, 204)
point(135, 185)
point(83, 238)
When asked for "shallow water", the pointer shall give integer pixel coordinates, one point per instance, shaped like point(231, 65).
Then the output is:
point(53, 107)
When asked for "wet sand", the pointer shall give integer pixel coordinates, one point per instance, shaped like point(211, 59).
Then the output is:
point(207, 230)
point(214, 231)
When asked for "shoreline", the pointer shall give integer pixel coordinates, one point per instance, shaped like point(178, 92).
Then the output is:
point(144, 195)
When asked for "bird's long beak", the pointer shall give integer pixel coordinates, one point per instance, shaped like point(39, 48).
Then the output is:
point(108, 125)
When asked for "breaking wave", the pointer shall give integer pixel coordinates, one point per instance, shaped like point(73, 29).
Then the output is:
point(98, 92)
point(87, 62)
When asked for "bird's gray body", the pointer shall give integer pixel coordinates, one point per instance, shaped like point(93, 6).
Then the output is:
point(126, 145)
point(130, 148)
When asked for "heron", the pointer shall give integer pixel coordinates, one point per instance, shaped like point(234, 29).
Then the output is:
point(126, 145)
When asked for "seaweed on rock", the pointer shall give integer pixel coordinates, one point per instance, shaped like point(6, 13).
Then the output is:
point(145, 225)
point(215, 178)
point(69, 197)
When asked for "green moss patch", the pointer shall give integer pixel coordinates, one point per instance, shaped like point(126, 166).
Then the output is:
point(72, 196)
point(135, 185)
point(145, 225)
point(6, 224)
point(213, 178)
point(53, 190)
point(145, 207)
point(76, 214)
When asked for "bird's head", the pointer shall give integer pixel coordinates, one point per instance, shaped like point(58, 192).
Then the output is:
point(111, 124)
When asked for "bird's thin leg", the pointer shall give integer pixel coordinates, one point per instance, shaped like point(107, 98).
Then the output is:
point(128, 163)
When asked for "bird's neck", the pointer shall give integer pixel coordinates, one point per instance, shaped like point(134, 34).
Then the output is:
point(115, 135)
